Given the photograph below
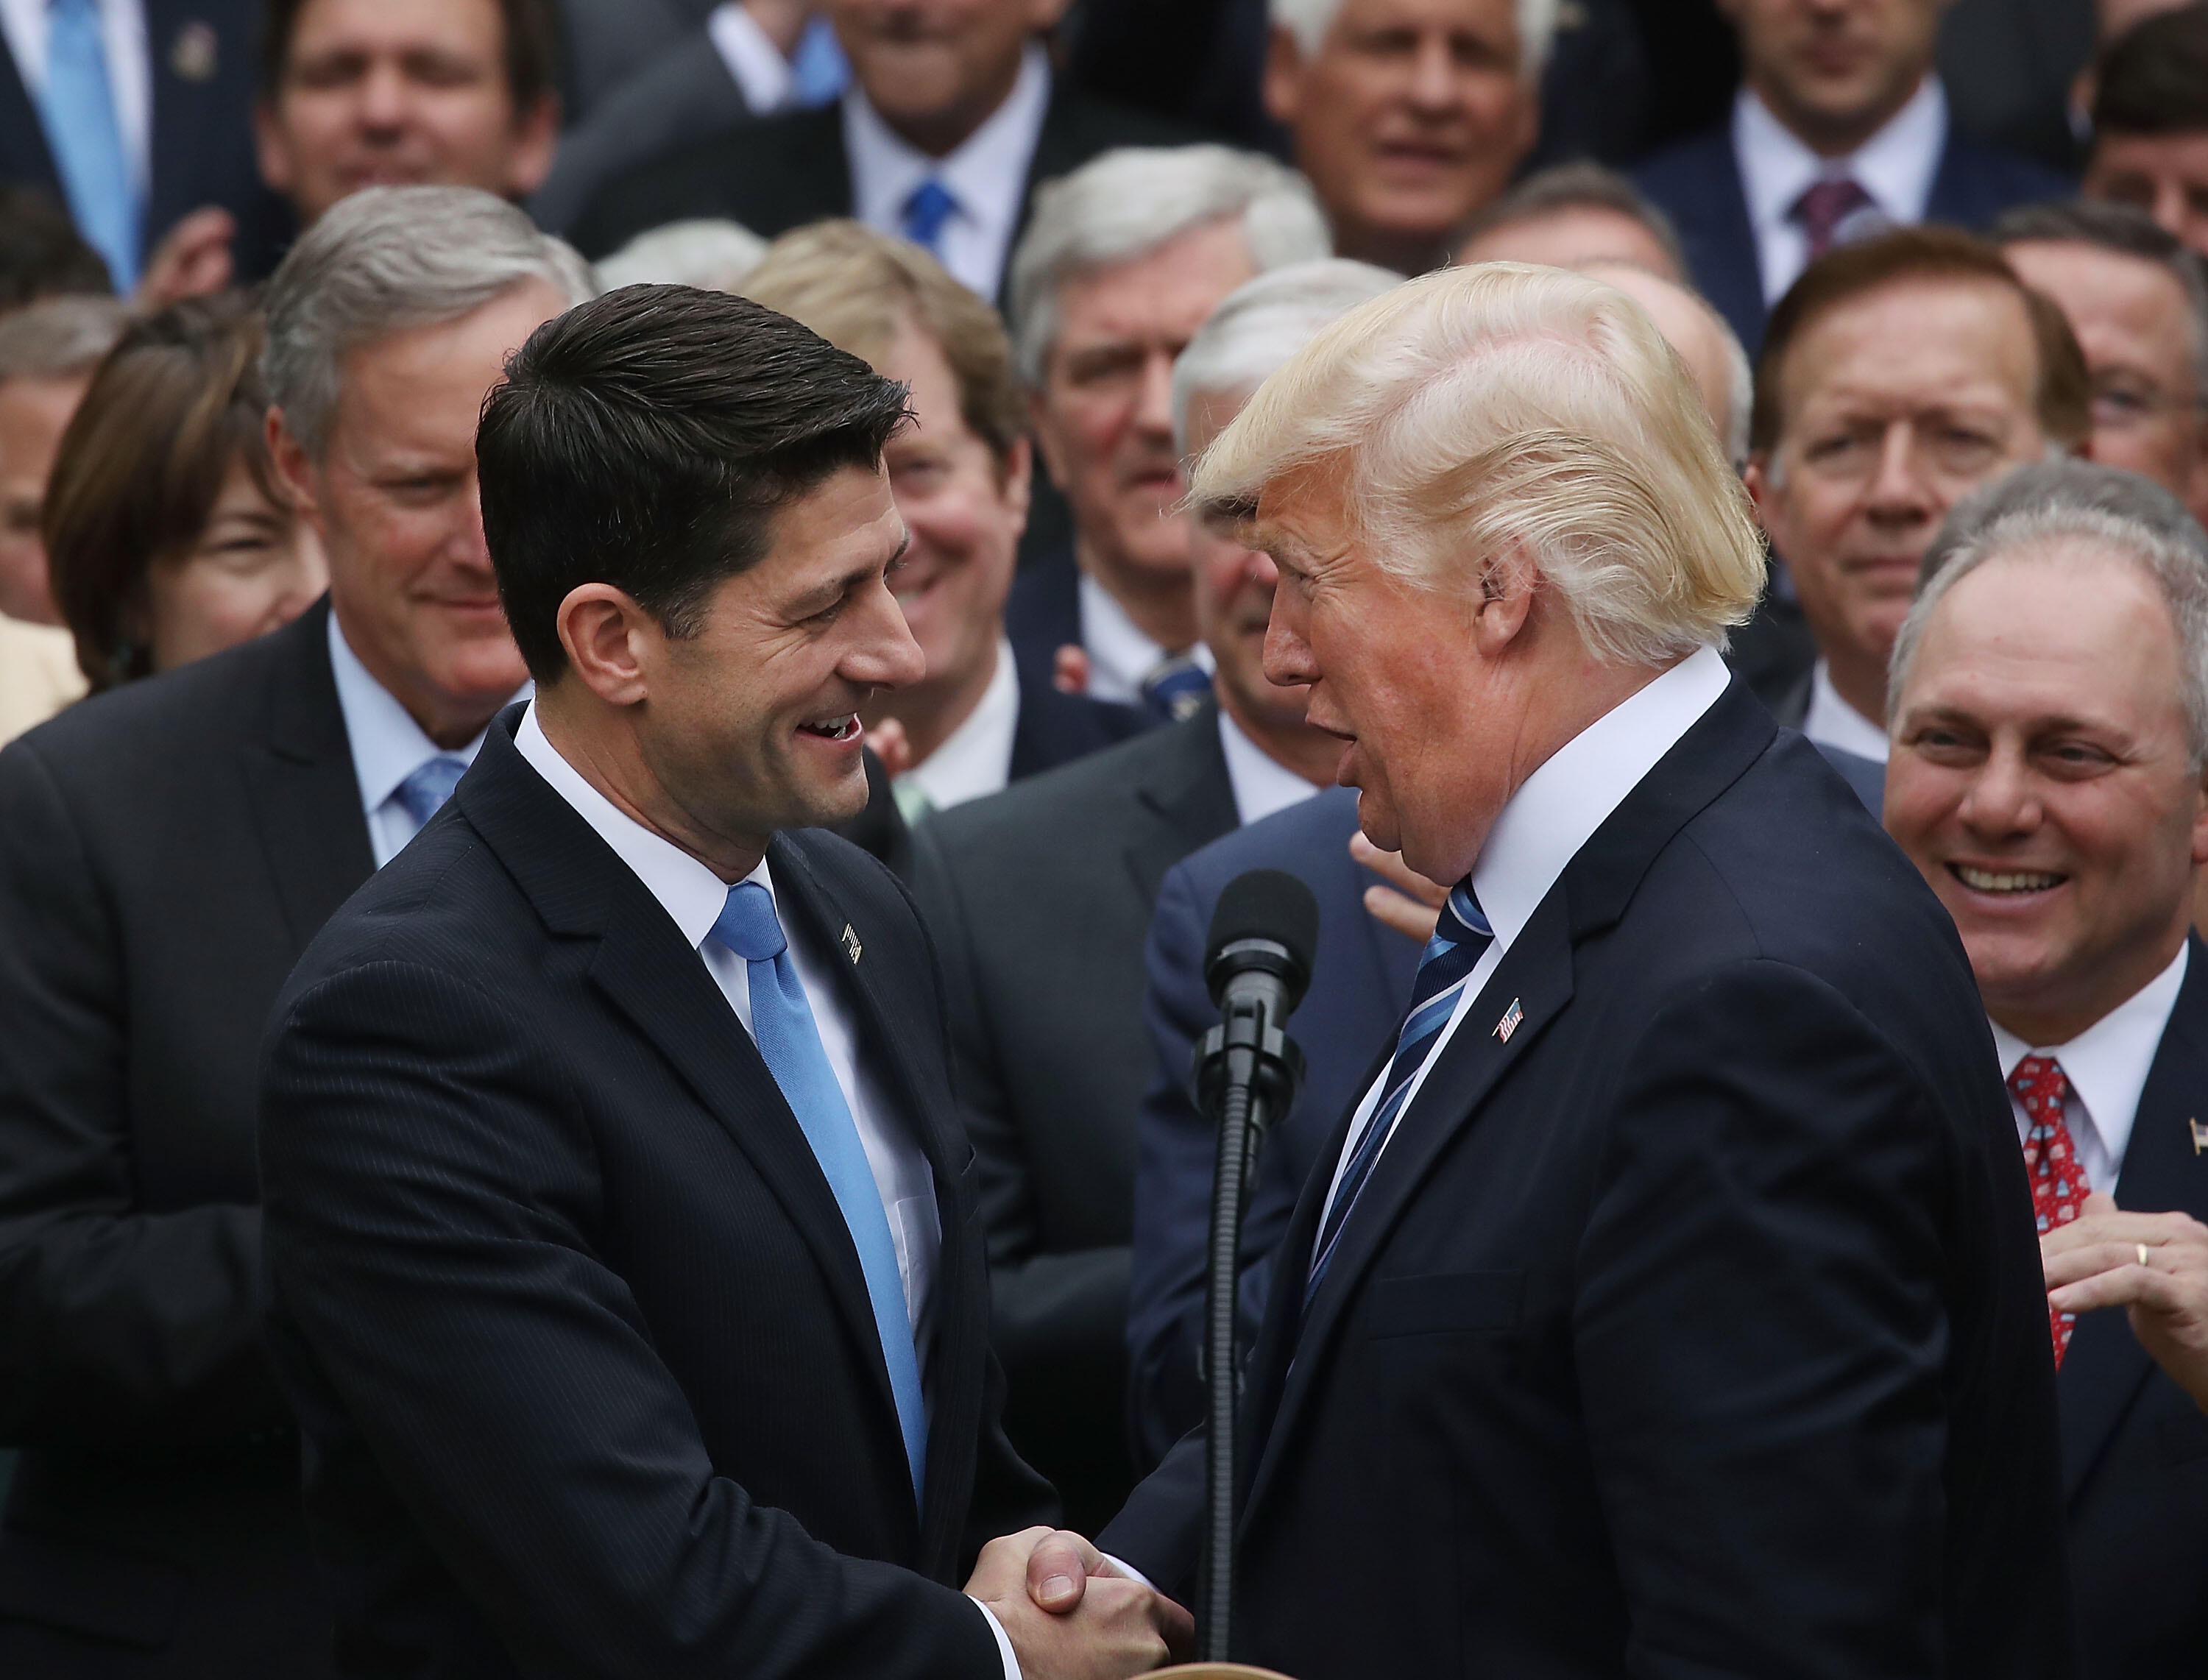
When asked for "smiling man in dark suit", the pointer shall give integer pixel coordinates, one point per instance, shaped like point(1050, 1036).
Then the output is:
point(2050, 735)
point(1668, 1304)
point(623, 1256)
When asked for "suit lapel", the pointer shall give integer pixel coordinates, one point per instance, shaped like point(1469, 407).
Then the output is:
point(299, 777)
point(659, 983)
point(1187, 790)
point(2105, 1367)
point(22, 136)
point(1733, 277)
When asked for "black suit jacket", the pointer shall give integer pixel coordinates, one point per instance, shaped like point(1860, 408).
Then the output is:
point(782, 173)
point(1693, 1326)
point(202, 54)
point(1697, 183)
point(166, 852)
point(1360, 985)
point(580, 1342)
point(2134, 1444)
point(1040, 898)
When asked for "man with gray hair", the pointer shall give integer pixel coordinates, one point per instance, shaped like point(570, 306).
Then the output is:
point(2050, 728)
point(1407, 115)
point(2138, 301)
point(1667, 1302)
point(1052, 1057)
point(166, 852)
point(1124, 259)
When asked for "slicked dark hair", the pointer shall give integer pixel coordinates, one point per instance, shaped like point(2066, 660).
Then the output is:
point(647, 439)
point(2153, 79)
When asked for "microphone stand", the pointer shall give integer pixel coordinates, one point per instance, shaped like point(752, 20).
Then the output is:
point(1247, 1072)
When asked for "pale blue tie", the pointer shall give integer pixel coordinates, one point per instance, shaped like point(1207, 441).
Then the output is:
point(425, 792)
point(789, 1043)
point(78, 112)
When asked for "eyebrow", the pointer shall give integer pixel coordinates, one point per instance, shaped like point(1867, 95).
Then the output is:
point(834, 589)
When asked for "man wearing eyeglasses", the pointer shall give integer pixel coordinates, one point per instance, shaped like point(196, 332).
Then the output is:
point(2138, 301)
point(1897, 375)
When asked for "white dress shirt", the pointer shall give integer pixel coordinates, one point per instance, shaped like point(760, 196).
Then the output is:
point(755, 64)
point(25, 25)
point(1261, 784)
point(987, 173)
point(1895, 167)
point(1555, 812)
point(977, 758)
point(2107, 1066)
point(1121, 653)
point(1832, 722)
point(387, 746)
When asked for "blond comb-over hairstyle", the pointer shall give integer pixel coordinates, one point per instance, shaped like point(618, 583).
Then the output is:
point(1479, 413)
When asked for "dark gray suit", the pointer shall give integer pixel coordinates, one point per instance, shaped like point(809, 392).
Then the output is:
point(1039, 901)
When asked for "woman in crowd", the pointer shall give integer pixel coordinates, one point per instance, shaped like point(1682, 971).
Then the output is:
point(167, 536)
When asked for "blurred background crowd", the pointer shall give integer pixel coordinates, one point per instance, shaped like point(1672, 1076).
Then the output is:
point(1904, 247)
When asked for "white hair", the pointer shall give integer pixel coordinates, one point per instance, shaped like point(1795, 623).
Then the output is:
point(2065, 501)
point(1261, 324)
point(60, 337)
point(1308, 21)
point(388, 260)
point(710, 254)
point(1126, 203)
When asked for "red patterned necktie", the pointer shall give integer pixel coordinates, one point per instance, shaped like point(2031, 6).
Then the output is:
point(1824, 207)
point(2058, 1182)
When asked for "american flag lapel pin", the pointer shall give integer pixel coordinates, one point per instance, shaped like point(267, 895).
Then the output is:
point(851, 945)
point(2200, 1135)
point(1515, 1014)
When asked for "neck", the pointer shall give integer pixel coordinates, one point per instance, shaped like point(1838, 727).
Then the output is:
point(1296, 746)
point(606, 754)
point(1860, 682)
point(449, 720)
point(931, 712)
point(2043, 1021)
point(1162, 604)
point(1831, 135)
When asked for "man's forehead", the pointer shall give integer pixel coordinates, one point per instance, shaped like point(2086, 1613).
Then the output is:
point(2064, 628)
point(1490, 20)
point(1883, 344)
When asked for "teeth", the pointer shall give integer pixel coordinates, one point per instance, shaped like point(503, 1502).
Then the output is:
point(836, 728)
point(1990, 880)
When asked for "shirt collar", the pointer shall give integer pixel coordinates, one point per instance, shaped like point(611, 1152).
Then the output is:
point(1558, 808)
point(985, 172)
point(1262, 784)
point(1895, 165)
point(1832, 722)
point(977, 758)
point(388, 745)
point(2108, 1064)
point(692, 895)
point(1121, 656)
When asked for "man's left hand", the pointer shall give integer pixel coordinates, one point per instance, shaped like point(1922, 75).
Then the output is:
point(2153, 1265)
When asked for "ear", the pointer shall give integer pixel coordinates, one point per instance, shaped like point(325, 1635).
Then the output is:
point(1504, 606)
point(271, 148)
point(535, 137)
point(1019, 481)
point(1757, 478)
point(1284, 76)
point(295, 469)
point(608, 638)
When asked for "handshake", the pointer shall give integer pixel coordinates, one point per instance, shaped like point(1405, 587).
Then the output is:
point(1073, 1614)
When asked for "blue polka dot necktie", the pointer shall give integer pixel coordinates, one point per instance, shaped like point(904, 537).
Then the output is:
point(423, 794)
point(926, 209)
point(1461, 937)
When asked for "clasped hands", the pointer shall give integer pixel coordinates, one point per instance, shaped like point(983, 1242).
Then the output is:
point(1073, 1614)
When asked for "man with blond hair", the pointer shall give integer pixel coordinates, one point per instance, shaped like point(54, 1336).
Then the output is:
point(1668, 1303)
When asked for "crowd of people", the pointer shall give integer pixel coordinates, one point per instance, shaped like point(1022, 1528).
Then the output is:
point(341, 340)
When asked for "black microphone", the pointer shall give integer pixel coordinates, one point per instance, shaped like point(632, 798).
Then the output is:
point(1257, 964)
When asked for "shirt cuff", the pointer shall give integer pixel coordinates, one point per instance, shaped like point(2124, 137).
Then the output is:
point(754, 63)
point(1004, 1642)
point(1132, 1574)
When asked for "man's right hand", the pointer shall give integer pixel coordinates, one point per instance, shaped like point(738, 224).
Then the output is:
point(1101, 1626)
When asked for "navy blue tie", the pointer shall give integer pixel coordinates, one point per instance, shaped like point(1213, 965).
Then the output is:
point(1175, 688)
point(423, 794)
point(925, 212)
point(1461, 937)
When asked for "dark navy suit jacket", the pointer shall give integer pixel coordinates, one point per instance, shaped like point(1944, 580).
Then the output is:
point(1697, 183)
point(202, 133)
point(1360, 985)
point(1043, 614)
point(2134, 1445)
point(1690, 1325)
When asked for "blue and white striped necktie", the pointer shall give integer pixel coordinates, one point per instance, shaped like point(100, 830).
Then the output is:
point(1461, 937)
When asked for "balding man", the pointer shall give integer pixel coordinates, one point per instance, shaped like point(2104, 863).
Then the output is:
point(1669, 1301)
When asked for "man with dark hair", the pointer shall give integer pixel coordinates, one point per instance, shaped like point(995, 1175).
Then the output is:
point(621, 1247)
point(2150, 123)
point(1571, 214)
point(2138, 301)
point(1898, 374)
point(41, 253)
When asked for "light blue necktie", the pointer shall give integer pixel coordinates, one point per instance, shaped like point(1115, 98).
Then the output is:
point(789, 1043)
point(819, 72)
point(78, 112)
point(425, 792)
point(926, 210)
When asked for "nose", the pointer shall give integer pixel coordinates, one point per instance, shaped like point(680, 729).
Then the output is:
point(1154, 401)
point(1288, 659)
point(885, 655)
point(1898, 490)
point(383, 98)
point(2001, 804)
point(1433, 73)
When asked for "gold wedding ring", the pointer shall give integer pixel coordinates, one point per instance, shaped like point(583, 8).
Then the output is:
point(2142, 1253)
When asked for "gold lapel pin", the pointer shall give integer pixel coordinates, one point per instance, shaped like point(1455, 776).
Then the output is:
point(1508, 1023)
point(851, 945)
point(2200, 1135)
